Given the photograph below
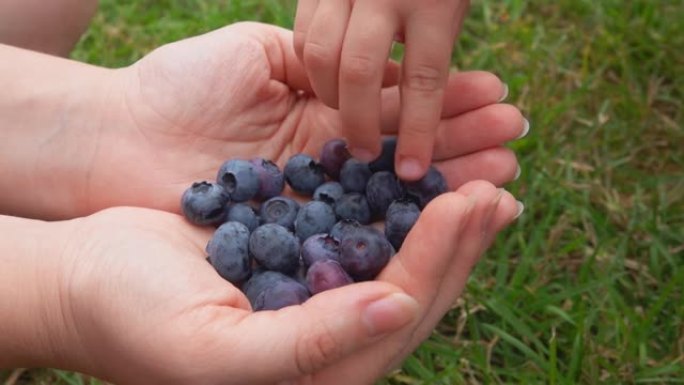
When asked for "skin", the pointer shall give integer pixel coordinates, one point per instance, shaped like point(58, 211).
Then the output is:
point(124, 293)
point(139, 136)
point(345, 46)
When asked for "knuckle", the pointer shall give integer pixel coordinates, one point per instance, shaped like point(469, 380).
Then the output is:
point(358, 70)
point(317, 55)
point(315, 350)
point(424, 78)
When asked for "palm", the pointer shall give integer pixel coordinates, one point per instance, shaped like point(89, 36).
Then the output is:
point(193, 110)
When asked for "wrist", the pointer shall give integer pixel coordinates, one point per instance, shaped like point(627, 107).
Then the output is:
point(34, 328)
point(51, 116)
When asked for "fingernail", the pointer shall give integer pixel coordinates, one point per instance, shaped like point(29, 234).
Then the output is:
point(410, 168)
point(389, 313)
point(505, 93)
point(525, 130)
point(521, 209)
point(518, 172)
point(362, 154)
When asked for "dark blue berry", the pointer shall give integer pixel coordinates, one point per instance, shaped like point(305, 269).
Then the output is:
point(260, 280)
point(204, 203)
point(364, 253)
point(320, 247)
point(280, 210)
point(314, 217)
point(271, 179)
point(344, 227)
point(275, 248)
point(239, 178)
point(427, 188)
point(303, 174)
point(280, 295)
point(329, 192)
point(353, 206)
point(383, 188)
point(243, 213)
point(354, 176)
point(333, 155)
point(401, 216)
point(326, 275)
point(228, 251)
point(385, 162)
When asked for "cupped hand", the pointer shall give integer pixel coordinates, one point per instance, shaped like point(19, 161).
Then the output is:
point(142, 306)
point(345, 46)
point(185, 108)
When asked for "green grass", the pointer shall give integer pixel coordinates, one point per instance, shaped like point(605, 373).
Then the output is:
point(588, 286)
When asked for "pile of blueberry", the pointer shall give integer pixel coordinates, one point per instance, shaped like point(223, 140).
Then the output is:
point(280, 252)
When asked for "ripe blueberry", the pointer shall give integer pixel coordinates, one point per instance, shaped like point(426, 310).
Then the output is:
point(313, 218)
point(329, 192)
point(353, 206)
point(385, 162)
point(427, 188)
point(401, 216)
point(239, 178)
point(303, 174)
point(204, 203)
point(382, 189)
point(280, 210)
point(333, 155)
point(228, 251)
point(364, 253)
point(326, 275)
point(271, 179)
point(320, 247)
point(243, 213)
point(275, 248)
point(354, 176)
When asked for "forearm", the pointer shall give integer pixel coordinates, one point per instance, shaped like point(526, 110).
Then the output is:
point(50, 111)
point(31, 320)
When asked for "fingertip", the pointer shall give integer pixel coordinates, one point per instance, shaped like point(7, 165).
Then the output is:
point(410, 168)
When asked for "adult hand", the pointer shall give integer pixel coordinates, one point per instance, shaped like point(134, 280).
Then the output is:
point(140, 305)
point(345, 46)
point(180, 112)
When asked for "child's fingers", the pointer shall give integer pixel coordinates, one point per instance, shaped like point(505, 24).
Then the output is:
point(429, 42)
point(497, 165)
point(303, 18)
point(365, 53)
point(323, 46)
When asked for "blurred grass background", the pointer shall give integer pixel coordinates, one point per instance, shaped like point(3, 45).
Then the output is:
point(588, 286)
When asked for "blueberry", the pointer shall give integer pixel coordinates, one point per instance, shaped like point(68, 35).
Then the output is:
point(329, 192)
point(401, 216)
point(243, 213)
point(313, 218)
point(204, 203)
point(303, 174)
point(320, 247)
point(260, 280)
point(280, 210)
point(228, 251)
point(275, 248)
point(427, 188)
point(353, 206)
point(383, 188)
point(239, 178)
point(271, 179)
point(333, 155)
point(280, 295)
point(385, 162)
point(326, 275)
point(354, 176)
point(344, 227)
point(364, 252)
